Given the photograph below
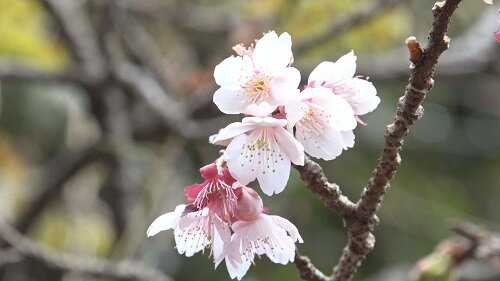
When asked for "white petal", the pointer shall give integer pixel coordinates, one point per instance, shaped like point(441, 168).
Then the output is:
point(232, 130)
point(274, 179)
point(230, 101)
point(347, 139)
point(237, 269)
point(285, 84)
point(229, 72)
point(322, 73)
point(346, 65)
point(361, 95)
point(166, 221)
point(271, 54)
point(342, 115)
point(290, 146)
point(266, 121)
point(262, 108)
point(193, 237)
point(289, 227)
point(221, 239)
point(326, 146)
point(241, 167)
point(295, 110)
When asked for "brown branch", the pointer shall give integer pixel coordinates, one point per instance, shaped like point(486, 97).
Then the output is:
point(340, 26)
point(307, 269)
point(331, 195)
point(486, 244)
point(362, 221)
point(13, 70)
point(56, 175)
point(76, 30)
point(123, 270)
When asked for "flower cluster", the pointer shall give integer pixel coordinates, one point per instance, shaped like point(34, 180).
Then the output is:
point(280, 124)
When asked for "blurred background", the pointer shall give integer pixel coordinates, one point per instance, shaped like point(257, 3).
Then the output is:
point(105, 113)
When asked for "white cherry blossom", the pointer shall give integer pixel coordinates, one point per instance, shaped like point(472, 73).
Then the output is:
point(194, 231)
point(323, 122)
point(257, 82)
point(272, 236)
point(261, 148)
point(339, 78)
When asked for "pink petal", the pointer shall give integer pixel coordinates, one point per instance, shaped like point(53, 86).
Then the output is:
point(497, 35)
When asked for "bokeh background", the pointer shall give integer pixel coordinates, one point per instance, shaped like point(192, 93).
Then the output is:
point(106, 111)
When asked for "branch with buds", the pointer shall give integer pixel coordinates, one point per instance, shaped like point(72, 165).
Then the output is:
point(361, 221)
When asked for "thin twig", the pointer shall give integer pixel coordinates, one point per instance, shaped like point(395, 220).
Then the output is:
point(340, 26)
point(56, 175)
point(76, 29)
point(123, 270)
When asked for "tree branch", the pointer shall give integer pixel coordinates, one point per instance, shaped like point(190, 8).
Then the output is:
point(362, 221)
point(55, 177)
point(345, 24)
point(123, 270)
point(331, 195)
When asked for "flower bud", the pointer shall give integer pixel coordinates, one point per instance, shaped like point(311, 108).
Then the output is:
point(249, 205)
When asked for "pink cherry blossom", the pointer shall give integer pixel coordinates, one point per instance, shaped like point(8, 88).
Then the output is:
point(261, 148)
point(257, 82)
point(497, 35)
point(272, 236)
point(339, 77)
point(323, 122)
point(216, 190)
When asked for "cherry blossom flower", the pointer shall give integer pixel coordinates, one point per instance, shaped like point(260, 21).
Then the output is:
point(339, 77)
point(323, 122)
point(194, 231)
point(256, 233)
point(257, 82)
point(216, 190)
point(261, 148)
point(497, 35)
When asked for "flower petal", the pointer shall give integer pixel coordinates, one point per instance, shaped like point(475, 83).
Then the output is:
point(361, 94)
point(274, 177)
point(230, 101)
point(285, 84)
point(290, 146)
point(232, 130)
point(289, 227)
point(347, 139)
point(229, 72)
point(322, 73)
point(241, 167)
point(166, 221)
point(341, 114)
point(271, 54)
point(327, 145)
point(346, 65)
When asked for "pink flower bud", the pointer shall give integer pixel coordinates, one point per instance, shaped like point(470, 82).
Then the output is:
point(249, 205)
point(497, 35)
